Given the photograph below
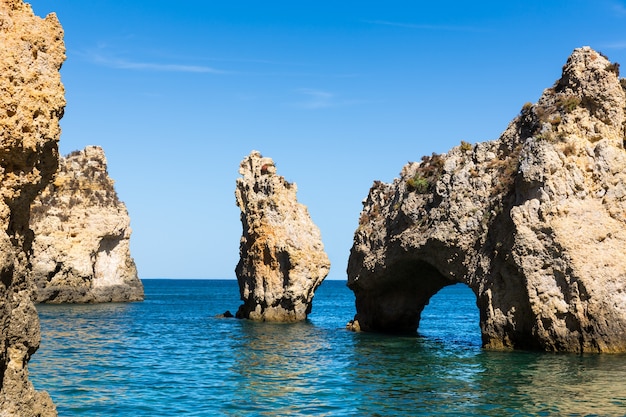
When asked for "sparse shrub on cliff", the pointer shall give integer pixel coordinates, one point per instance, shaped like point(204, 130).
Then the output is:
point(526, 107)
point(431, 167)
point(427, 174)
point(466, 146)
point(568, 102)
point(542, 113)
point(556, 120)
point(367, 217)
point(506, 167)
point(418, 184)
point(548, 136)
point(614, 68)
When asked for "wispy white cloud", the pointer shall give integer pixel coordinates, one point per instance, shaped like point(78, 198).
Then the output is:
point(448, 28)
point(614, 45)
point(619, 8)
point(316, 99)
point(106, 56)
point(151, 66)
point(320, 99)
point(119, 63)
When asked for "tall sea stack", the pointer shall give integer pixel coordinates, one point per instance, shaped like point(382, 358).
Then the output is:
point(534, 223)
point(81, 252)
point(282, 258)
point(33, 102)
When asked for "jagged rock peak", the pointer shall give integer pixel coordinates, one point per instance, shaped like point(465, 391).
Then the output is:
point(534, 223)
point(32, 99)
point(282, 258)
point(81, 252)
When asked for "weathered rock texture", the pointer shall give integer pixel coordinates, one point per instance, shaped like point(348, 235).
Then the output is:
point(33, 101)
point(81, 252)
point(282, 258)
point(534, 223)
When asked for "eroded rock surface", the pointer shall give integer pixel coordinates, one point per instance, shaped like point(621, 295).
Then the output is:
point(81, 252)
point(33, 101)
point(282, 258)
point(534, 223)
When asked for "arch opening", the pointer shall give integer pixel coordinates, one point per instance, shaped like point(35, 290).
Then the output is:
point(452, 316)
point(396, 303)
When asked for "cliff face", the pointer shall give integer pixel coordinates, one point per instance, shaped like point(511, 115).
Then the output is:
point(32, 99)
point(81, 252)
point(534, 223)
point(282, 258)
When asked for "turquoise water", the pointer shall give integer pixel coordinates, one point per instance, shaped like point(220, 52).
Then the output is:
point(170, 356)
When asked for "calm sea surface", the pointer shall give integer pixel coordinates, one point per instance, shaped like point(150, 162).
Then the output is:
point(170, 356)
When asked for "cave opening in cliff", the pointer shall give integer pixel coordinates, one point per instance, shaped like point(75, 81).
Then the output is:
point(451, 316)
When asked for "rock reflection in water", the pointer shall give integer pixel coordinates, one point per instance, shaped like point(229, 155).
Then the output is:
point(570, 384)
point(421, 374)
point(412, 373)
point(286, 369)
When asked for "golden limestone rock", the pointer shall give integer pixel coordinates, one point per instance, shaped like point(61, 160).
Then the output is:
point(282, 258)
point(534, 223)
point(81, 252)
point(33, 101)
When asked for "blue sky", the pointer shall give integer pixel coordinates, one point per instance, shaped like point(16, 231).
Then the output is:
point(338, 93)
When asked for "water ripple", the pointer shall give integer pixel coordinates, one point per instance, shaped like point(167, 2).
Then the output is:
point(170, 356)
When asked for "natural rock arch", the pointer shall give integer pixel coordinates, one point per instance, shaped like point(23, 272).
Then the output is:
point(534, 223)
point(398, 304)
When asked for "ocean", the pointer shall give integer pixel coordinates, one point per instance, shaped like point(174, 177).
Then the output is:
point(171, 356)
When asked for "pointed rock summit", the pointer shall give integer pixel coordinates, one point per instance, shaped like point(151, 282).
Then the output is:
point(282, 258)
point(81, 252)
point(534, 223)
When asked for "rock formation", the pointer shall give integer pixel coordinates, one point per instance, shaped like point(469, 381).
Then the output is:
point(534, 223)
point(33, 102)
point(81, 252)
point(282, 258)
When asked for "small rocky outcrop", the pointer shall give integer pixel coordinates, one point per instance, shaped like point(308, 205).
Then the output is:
point(534, 223)
point(81, 252)
point(282, 258)
point(33, 101)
